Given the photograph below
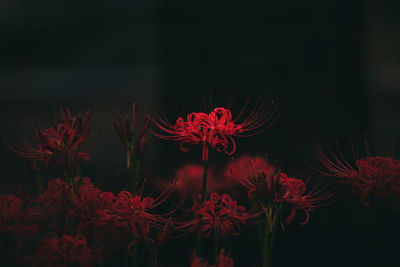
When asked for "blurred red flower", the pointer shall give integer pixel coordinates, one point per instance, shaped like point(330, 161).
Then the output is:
point(218, 215)
point(16, 218)
point(132, 213)
point(55, 200)
point(64, 251)
point(188, 180)
point(378, 176)
point(245, 166)
point(60, 143)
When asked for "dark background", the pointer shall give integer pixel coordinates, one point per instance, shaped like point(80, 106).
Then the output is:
point(332, 66)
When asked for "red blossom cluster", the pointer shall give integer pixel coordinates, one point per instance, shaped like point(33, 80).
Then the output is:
point(60, 143)
point(134, 213)
point(80, 219)
point(216, 129)
point(219, 215)
point(63, 250)
point(378, 176)
point(277, 187)
point(246, 165)
point(16, 218)
point(188, 177)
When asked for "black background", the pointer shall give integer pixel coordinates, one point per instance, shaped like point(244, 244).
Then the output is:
point(332, 66)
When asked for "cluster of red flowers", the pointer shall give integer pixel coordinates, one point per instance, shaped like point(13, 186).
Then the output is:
point(54, 250)
point(269, 188)
point(16, 218)
point(378, 176)
point(76, 219)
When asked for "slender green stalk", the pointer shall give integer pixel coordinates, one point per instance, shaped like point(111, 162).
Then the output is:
point(273, 233)
point(204, 186)
point(134, 176)
point(266, 241)
point(216, 248)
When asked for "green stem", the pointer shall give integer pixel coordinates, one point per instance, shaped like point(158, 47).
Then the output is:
point(204, 186)
point(273, 234)
point(266, 260)
point(133, 175)
point(216, 248)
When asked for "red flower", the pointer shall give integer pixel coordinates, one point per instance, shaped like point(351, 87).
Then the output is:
point(85, 200)
point(219, 215)
point(80, 124)
point(378, 176)
point(133, 213)
point(16, 218)
point(61, 143)
point(246, 166)
point(188, 180)
point(55, 200)
point(223, 260)
point(64, 251)
point(275, 188)
point(216, 129)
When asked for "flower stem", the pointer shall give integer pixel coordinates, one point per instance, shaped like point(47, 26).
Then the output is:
point(216, 250)
point(134, 175)
point(266, 259)
point(204, 186)
point(273, 233)
point(40, 177)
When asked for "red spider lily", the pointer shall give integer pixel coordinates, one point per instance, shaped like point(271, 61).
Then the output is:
point(80, 124)
point(85, 200)
point(276, 188)
point(378, 176)
point(61, 143)
point(16, 218)
point(188, 180)
point(135, 143)
point(55, 200)
point(61, 198)
point(223, 260)
point(246, 166)
point(132, 213)
point(219, 215)
point(64, 251)
point(216, 129)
